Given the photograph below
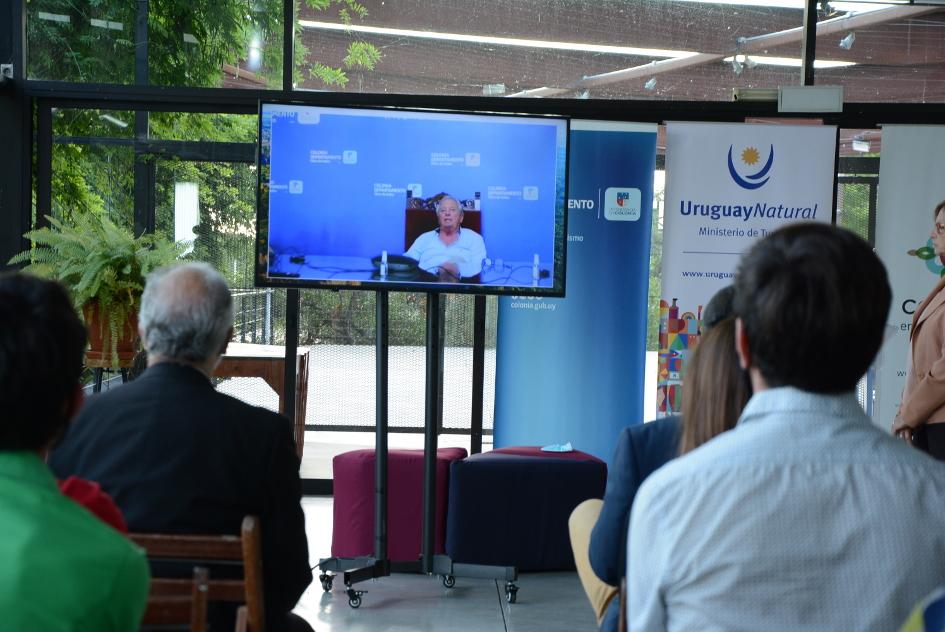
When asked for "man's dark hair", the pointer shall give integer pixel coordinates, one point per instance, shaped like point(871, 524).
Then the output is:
point(813, 300)
point(719, 307)
point(42, 342)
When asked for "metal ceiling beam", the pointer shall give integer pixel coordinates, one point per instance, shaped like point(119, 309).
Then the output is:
point(743, 46)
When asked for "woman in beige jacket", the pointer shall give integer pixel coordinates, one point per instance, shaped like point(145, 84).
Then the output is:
point(921, 416)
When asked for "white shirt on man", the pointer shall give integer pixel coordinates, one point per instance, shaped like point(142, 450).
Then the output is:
point(805, 516)
point(467, 252)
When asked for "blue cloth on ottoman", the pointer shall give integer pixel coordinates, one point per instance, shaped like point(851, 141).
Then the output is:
point(510, 507)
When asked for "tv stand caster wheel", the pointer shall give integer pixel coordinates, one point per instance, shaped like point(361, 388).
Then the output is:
point(326, 581)
point(449, 581)
point(354, 597)
point(511, 592)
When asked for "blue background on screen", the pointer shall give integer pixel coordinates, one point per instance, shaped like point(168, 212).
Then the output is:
point(357, 208)
point(576, 372)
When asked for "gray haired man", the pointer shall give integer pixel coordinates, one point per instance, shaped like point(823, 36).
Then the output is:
point(179, 457)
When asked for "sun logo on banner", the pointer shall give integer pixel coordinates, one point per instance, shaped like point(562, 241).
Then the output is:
point(750, 156)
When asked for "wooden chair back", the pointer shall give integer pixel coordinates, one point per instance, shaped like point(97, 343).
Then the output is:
point(207, 549)
point(182, 604)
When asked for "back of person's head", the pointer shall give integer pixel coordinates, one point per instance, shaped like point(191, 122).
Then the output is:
point(719, 307)
point(186, 313)
point(813, 301)
point(715, 388)
point(42, 342)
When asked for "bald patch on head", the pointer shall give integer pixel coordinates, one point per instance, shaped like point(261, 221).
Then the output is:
point(186, 313)
point(181, 287)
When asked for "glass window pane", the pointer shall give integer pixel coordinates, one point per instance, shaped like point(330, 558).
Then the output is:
point(650, 49)
point(93, 164)
point(216, 43)
point(858, 180)
point(201, 43)
point(212, 205)
point(893, 53)
point(194, 126)
point(90, 42)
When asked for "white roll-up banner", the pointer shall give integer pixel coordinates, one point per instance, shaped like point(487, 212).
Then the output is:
point(727, 185)
point(910, 186)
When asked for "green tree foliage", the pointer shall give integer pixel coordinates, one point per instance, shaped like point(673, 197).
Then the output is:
point(189, 41)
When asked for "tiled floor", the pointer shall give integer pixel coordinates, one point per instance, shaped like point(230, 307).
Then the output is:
point(404, 602)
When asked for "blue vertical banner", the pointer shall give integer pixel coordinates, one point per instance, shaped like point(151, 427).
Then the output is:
point(572, 369)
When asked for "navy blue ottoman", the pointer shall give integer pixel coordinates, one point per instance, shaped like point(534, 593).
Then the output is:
point(510, 506)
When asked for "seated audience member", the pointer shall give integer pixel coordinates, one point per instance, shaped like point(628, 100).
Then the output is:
point(928, 615)
point(712, 375)
point(179, 457)
point(62, 568)
point(805, 516)
point(716, 388)
point(449, 251)
point(89, 494)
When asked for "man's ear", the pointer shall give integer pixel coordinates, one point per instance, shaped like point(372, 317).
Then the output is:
point(741, 345)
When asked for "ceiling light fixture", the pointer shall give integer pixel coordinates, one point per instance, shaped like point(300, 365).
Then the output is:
point(794, 62)
point(497, 41)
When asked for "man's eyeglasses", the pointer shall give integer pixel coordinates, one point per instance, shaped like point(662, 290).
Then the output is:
point(940, 228)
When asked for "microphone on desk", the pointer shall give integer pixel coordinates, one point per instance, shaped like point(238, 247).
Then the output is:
point(536, 272)
point(383, 270)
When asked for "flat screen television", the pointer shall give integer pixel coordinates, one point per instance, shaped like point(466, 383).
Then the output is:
point(414, 200)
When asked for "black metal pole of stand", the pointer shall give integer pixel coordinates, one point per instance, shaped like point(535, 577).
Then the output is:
point(430, 422)
point(380, 430)
point(443, 565)
point(359, 569)
point(479, 362)
point(362, 568)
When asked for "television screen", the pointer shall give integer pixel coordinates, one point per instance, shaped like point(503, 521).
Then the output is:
point(388, 198)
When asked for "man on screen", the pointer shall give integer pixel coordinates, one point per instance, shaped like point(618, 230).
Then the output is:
point(450, 252)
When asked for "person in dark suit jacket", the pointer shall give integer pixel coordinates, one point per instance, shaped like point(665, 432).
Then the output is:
point(179, 457)
point(601, 557)
point(602, 561)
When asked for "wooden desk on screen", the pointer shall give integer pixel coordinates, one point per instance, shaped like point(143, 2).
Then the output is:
point(268, 362)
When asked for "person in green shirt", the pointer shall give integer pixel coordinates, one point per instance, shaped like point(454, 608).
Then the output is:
point(61, 569)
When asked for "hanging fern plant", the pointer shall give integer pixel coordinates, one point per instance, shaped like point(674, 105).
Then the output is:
point(103, 265)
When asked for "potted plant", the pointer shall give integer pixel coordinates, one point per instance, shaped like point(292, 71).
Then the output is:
point(104, 266)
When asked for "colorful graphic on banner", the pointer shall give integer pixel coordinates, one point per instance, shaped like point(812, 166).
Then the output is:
point(572, 369)
point(678, 334)
point(728, 184)
point(910, 185)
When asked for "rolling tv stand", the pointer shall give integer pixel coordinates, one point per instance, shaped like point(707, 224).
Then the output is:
point(358, 569)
